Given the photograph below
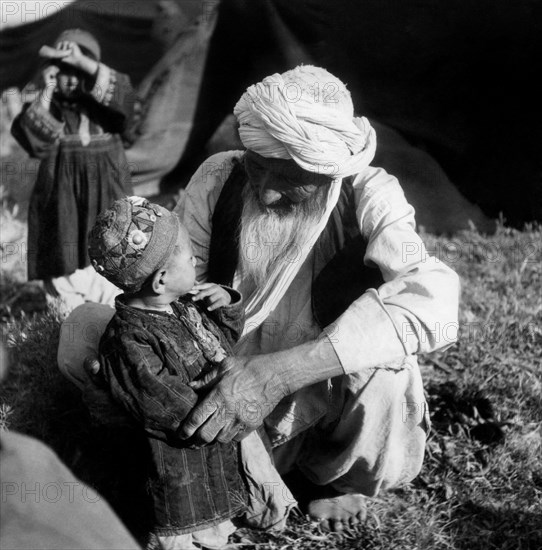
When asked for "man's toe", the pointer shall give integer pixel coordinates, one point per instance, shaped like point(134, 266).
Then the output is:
point(353, 521)
point(324, 524)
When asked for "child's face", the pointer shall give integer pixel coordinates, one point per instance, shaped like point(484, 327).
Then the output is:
point(181, 267)
point(69, 82)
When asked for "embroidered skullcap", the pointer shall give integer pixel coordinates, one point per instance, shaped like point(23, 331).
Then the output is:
point(306, 114)
point(81, 38)
point(131, 240)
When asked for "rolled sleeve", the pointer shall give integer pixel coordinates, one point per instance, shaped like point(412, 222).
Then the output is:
point(415, 310)
point(235, 295)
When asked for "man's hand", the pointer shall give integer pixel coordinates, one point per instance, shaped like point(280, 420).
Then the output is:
point(213, 376)
point(214, 295)
point(244, 392)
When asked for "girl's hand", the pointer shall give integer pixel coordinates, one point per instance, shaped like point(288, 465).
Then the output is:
point(66, 51)
point(50, 85)
point(48, 75)
point(71, 54)
point(214, 295)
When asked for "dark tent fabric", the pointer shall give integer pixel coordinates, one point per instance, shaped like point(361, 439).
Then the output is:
point(123, 30)
point(457, 79)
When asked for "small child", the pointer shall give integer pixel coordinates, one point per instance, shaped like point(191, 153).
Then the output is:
point(159, 340)
point(76, 126)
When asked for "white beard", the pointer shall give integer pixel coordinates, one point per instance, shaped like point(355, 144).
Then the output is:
point(271, 237)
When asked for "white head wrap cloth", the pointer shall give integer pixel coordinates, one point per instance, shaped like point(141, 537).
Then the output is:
point(316, 129)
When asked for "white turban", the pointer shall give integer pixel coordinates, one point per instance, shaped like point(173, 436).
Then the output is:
point(307, 115)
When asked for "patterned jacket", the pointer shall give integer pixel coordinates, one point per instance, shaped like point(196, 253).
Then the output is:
point(148, 358)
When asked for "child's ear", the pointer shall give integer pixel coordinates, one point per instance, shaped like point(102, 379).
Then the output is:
point(158, 281)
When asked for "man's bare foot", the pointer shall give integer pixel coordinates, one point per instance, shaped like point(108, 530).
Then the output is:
point(337, 511)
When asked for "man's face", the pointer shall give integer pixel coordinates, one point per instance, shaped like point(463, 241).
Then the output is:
point(281, 207)
point(280, 183)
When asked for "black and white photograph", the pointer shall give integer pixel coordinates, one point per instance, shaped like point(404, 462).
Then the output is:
point(271, 275)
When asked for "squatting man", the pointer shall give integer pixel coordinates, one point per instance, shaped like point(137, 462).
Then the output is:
point(331, 407)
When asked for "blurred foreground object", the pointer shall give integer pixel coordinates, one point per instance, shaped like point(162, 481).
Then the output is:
point(43, 506)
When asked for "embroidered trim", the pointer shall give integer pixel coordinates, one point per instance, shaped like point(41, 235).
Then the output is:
point(105, 85)
point(111, 88)
point(44, 122)
point(75, 138)
point(207, 342)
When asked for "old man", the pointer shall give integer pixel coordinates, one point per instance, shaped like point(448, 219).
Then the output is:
point(340, 295)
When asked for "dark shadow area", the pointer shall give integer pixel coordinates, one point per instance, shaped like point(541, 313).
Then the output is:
point(507, 527)
point(469, 407)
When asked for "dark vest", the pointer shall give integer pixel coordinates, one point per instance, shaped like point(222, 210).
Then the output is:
point(339, 274)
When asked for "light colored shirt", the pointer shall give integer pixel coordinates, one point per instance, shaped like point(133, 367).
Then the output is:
point(414, 311)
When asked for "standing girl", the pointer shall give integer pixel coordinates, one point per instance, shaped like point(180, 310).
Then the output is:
point(78, 127)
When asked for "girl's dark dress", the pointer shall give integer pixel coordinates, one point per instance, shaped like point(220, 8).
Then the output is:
point(83, 169)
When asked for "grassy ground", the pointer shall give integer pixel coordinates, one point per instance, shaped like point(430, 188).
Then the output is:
point(481, 484)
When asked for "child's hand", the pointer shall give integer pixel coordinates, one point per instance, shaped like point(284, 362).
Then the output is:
point(71, 54)
point(67, 52)
point(48, 74)
point(50, 85)
point(214, 295)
